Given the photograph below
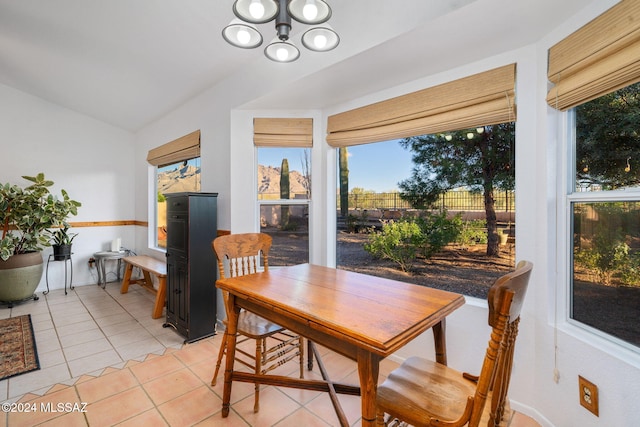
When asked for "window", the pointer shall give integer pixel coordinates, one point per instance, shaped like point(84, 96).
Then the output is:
point(477, 107)
point(177, 169)
point(284, 194)
point(595, 73)
point(440, 214)
point(183, 176)
point(605, 214)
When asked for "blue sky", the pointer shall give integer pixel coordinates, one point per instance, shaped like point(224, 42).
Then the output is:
point(378, 167)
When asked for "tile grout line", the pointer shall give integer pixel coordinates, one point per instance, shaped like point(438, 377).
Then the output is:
point(96, 373)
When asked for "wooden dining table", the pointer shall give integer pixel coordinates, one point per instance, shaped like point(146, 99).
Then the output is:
point(362, 317)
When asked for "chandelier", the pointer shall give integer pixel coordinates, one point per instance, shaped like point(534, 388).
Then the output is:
point(242, 32)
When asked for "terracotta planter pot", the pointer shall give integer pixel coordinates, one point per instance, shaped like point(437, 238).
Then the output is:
point(20, 276)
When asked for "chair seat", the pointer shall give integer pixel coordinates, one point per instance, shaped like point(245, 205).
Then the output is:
point(422, 392)
point(239, 255)
point(424, 389)
point(254, 326)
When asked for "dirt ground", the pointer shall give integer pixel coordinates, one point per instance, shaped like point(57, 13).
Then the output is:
point(612, 309)
point(468, 271)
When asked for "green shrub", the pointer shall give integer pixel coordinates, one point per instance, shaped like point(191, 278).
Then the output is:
point(403, 240)
point(398, 241)
point(630, 271)
point(357, 223)
point(473, 232)
point(608, 259)
point(438, 231)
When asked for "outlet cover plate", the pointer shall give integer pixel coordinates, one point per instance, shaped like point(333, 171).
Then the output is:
point(588, 395)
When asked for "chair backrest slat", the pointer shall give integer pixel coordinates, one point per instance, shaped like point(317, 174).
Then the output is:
point(242, 253)
point(239, 254)
point(505, 301)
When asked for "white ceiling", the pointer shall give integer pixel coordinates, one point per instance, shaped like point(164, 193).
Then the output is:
point(129, 62)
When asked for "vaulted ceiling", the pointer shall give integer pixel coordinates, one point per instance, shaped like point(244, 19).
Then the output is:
point(129, 62)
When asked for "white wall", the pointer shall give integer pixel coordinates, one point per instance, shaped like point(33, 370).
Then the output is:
point(93, 161)
point(534, 389)
point(613, 368)
point(467, 330)
point(99, 166)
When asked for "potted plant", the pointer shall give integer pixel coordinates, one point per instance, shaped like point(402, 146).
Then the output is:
point(61, 241)
point(503, 235)
point(26, 217)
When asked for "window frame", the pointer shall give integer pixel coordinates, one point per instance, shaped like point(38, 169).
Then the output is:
point(273, 202)
point(608, 343)
point(153, 228)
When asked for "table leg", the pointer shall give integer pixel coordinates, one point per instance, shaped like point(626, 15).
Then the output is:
point(103, 280)
point(232, 325)
point(161, 296)
point(118, 268)
point(310, 352)
point(368, 369)
point(127, 277)
point(439, 338)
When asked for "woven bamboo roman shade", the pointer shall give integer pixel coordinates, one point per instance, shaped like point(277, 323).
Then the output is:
point(481, 99)
point(184, 148)
point(283, 132)
point(599, 58)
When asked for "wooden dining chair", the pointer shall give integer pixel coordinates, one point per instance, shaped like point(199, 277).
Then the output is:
point(239, 255)
point(425, 393)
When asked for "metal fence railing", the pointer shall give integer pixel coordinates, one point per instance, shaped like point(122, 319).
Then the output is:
point(453, 200)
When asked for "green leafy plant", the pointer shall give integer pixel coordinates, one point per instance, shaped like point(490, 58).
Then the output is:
point(438, 231)
point(357, 223)
point(473, 232)
point(402, 241)
point(605, 251)
point(398, 241)
point(606, 259)
point(27, 214)
point(61, 236)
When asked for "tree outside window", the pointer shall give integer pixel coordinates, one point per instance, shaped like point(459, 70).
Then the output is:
point(605, 208)
point(448, 221)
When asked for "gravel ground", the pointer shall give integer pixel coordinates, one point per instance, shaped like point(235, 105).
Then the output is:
point(469, 271)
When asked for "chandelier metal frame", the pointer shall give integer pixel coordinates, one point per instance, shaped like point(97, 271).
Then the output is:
point(243, 33)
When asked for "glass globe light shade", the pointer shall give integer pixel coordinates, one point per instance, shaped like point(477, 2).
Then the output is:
point(320, 39)
point(255, 11)
point(280, 51)
point(310, 12)
point(242, 35)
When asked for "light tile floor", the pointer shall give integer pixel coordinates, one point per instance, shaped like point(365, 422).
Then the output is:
point(102, 348)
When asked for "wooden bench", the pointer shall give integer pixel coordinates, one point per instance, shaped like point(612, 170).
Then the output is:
point(149, 266)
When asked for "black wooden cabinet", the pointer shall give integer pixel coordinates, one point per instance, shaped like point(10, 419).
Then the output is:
point(191, 264)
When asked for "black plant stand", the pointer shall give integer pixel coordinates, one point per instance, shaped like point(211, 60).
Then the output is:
point(64, 258)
